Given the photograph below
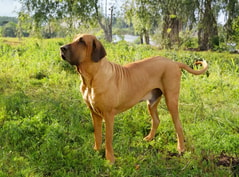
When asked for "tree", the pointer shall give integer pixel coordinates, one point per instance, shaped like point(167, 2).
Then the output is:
point(176, 15)
point(72, 12)
point(44, 12)
point(76, 12)
point(140, 13)
point(8, 26)
point(9, 30)
point(232, 12)
point(23, 25)
point(235, 30)
point(207, 26)
point(170, 16)
point(105, 21)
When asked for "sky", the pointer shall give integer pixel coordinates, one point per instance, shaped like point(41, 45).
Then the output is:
point(9, 8)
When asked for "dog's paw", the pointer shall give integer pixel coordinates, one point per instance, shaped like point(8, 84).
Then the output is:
point(148, 138)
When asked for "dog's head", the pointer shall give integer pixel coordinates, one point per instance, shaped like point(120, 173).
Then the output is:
point(83, 48)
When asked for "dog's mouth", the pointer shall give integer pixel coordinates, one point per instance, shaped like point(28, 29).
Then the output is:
point(66, 57)
point(66, 54)
point(63, 56)
point(63, 50)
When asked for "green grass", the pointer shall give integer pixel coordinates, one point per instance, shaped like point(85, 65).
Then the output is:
point(46, 129)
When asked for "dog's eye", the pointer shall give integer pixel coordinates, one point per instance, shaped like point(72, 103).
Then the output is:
point(81, 41)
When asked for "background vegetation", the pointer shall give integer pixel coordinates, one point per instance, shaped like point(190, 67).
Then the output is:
point(46, 129)
point(201, 24)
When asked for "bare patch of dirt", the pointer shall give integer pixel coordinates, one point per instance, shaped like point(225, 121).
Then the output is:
point(228, 161)
point(12, 43)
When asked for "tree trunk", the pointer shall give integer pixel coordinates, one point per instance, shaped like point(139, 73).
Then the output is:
point(141, 39)
point(146, 36)
point(171, 28)
point(207, 30)
point(231, 10)
point(19, 30)
point(107, 27)
point(165, 35)
point(108, 33)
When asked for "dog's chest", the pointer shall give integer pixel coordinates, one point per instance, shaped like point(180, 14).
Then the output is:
point(90, 97)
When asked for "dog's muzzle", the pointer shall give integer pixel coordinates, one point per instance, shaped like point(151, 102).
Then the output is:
point(63, 51)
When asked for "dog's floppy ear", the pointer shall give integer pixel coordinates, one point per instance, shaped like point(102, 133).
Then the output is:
point(98, 51)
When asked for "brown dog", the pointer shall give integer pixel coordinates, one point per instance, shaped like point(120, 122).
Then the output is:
point(109, 89)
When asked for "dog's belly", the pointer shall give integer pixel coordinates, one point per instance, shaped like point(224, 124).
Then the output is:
point(152, 96)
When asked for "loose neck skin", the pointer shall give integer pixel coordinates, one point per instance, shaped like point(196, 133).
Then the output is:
point(90, 70)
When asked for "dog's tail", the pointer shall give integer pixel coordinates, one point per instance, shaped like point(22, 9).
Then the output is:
point(192, 71)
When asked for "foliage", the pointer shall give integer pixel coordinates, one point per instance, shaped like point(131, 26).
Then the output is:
point(235, 30)
point(69, 13)
point(8, 26)
point(9, 29)
point(46, 129)
point(140, 13)
point(46, 13)
point(4, 20)
point(232, 9)
point(172, 17)
point(161, 20)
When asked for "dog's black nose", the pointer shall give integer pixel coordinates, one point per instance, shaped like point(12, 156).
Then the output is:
point(64, 51)
point(64, 48)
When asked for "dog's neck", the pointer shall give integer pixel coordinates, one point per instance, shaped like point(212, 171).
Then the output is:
point(89, 71)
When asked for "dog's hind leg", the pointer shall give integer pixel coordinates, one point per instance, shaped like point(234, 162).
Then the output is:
point(152, 107)
point(172, 104)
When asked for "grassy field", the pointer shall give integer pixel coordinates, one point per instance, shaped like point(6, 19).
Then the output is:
point(46, 129)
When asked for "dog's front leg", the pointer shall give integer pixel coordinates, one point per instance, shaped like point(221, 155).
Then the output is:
point(109, 152)
point(97, 122)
